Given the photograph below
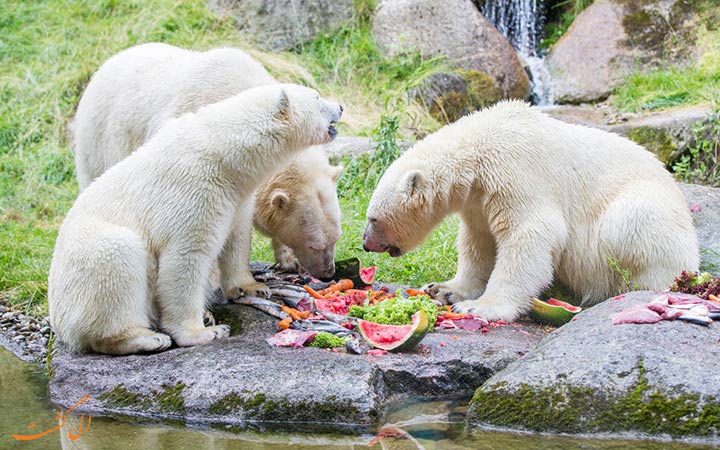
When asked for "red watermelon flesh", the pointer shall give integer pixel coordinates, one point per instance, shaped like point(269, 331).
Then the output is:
point(367, 274)
point(395, 337)
point(568, 306)
point(385, 334)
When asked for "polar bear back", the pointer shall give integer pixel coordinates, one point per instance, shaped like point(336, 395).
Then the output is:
point(136, 91)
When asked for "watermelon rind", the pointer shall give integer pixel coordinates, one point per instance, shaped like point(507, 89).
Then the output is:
point(547, 314)
point(420, 327)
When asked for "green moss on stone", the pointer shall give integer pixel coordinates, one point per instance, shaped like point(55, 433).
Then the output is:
point(482, 90)
point(656, 140)
point(170, 399)
point(259, 407)
point(582, 410)
point(120, 397)
point(646, 29)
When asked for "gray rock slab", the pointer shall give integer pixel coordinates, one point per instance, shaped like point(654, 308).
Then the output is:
point(592, 376)
point(244, 381)
point(707, 223)
point(667, 133)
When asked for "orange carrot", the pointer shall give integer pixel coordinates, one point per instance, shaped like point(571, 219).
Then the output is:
point(414, 292)
point(313, 293)
point(454, 315)
point(342, 285)
point(713, 298)
point(292, 312)
point(285, 323)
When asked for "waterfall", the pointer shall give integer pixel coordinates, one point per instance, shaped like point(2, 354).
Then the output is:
point(522, 23)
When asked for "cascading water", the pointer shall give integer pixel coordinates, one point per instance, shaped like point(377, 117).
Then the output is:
point(522, 23)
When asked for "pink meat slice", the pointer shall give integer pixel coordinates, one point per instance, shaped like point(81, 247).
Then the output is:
point(636, 314)
point(291, 338)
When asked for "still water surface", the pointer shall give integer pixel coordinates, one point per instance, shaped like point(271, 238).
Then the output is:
point(431, 425)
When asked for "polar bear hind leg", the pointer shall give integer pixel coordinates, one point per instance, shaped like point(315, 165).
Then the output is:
point(101, 302)
point(647, 231)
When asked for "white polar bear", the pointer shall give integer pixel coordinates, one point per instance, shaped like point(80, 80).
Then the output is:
point(136, 91)
point(537, 198)
point(135, 250)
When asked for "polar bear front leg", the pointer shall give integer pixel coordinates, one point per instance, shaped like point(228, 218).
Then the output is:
point(234, 261)
point(476, 258)
point(523, 268)
point(181, 286)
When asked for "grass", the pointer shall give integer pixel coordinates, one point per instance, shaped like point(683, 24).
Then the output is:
point(675, 86)
point(50, 48)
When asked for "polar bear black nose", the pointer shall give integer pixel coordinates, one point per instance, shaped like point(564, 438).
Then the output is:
point(341, 109)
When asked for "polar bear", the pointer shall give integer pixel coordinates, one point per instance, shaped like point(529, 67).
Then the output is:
point(136, 91)
point(135, 251)
point(538, 198)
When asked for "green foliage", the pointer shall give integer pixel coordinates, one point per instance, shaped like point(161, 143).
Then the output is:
point(645, 91)
point(397, 311)
point(348, 56)
point(562, 15)
point(700, 163)
point(624, 274)
point(327, 340)
point(362, 173)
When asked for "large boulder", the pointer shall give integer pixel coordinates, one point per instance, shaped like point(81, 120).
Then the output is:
point(612, 38)
point(283, 24)
point(452, 29)
point(592, 376)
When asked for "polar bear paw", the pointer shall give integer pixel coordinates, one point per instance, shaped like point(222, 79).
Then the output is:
point(287, 262)
point(203, 336)
point(443, 293)
point(487, 308)
point(252, 289)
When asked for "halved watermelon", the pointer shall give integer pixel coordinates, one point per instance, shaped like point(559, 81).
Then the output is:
point(553, 312)
point(367, 274)
point(395, 337)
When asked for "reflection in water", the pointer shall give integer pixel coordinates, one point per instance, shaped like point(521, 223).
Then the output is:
point(426, 425)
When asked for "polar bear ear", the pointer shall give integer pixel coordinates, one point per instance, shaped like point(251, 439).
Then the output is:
point(413, 182)
point(279, 199)
point(335, 172)
point(283, 107)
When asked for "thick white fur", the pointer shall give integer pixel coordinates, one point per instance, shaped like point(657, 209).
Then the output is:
point(537, 198)
point(136, 91)
point(135, 251)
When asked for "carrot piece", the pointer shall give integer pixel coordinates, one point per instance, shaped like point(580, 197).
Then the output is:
point(285, 323)
point(292, 312)
point(454, 315)
point(713, 298)
point(414, 292)
point(313, 293)
point(342, 285)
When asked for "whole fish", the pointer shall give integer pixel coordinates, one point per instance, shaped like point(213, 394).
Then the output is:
point(264, 305)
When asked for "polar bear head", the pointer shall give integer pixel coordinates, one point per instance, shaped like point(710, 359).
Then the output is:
point(403, 208)
point(299, 208)
point(310, 119)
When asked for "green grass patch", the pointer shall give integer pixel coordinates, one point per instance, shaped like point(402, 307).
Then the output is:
point(674, 86)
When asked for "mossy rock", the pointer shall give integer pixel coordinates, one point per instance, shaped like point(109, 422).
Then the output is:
point(482, 89)
point(656, 140)
point(591, 376)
